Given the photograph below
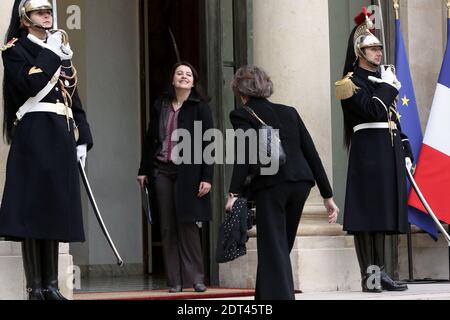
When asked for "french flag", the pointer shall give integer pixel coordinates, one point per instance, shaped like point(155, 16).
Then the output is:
point(433, 168)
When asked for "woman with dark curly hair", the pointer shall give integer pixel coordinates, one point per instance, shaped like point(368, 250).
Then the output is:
point(182, 190)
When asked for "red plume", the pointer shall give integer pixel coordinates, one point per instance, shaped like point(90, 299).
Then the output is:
point(364, 10)
point(360, 18)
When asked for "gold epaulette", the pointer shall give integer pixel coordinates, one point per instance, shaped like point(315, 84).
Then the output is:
point(10, 44)
point(345, 88)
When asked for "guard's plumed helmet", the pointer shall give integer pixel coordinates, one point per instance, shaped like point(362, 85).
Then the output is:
point(363, 37)
point(27, 6)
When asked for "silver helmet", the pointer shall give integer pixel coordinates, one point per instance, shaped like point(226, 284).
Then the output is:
point(28, 6)
point(364, 38)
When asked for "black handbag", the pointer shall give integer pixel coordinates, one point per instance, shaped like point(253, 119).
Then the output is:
point(265, 143)
point(232, 238)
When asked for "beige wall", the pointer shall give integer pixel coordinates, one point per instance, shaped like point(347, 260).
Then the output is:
point(291, 43)
point(112, 104)
point(5, 15)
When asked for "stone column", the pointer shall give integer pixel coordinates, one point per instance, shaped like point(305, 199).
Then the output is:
point(291, 42)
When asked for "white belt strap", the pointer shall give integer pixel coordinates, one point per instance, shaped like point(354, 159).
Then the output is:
point(58, 108)
point(31, 102)
point(374, 125)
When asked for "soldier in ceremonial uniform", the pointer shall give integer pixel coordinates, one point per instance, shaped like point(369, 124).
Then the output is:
point(376, 197)
point(46, 126)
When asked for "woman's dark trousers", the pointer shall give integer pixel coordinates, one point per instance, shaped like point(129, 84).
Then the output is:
point(180, 241)
point(278, 212)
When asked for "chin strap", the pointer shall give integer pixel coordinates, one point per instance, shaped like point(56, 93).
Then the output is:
point(368, 61)
point(376, 65)
point(34, 24)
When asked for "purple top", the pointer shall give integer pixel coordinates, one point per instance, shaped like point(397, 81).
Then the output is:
point(169, 121)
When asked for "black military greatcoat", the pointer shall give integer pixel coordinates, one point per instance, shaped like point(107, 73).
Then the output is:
point(376, 197)
point(41, 198)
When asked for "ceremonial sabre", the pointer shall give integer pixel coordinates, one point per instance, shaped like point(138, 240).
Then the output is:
point(55, 15)
point(382, 30)
point(97, 213)
point(427, 206)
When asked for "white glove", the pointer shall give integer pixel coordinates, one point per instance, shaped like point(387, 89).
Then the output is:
point(82, 154)
point(54, 43)
point(409, 164)
point(397, 84)
point(67, 51)
point(387, 76)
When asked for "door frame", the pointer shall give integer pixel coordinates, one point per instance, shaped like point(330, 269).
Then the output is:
point(214, 85)
point(210, 69)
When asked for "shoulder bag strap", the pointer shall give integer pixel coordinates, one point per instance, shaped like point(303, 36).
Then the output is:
point(254, 115)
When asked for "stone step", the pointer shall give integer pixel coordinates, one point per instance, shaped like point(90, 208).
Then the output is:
point(12, 277)
point(319, 264)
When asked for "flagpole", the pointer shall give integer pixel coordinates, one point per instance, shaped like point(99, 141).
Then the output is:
point(427, 207)
point(448, 16)
point(397, 8)
point(396, 5)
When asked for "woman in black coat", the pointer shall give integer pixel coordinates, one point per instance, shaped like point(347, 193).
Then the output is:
point(375, 203)
point(279, 197)
point(180, 179)
point(41, 203)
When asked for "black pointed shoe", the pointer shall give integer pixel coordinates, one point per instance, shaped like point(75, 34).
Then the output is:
point(176, 289)
point(49, 256)
point(53, 293)
point(35, 294)
point(390, 285)
point(199, 287)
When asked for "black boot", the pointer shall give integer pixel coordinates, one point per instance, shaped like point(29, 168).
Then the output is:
point(50, 254)
point(370, 282)
point(31, 256)
point(390, 285)
point(386, 282)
